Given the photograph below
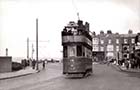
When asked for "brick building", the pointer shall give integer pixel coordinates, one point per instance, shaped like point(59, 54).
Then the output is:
point(98, 47)
point(128, 45)
point(113, 45)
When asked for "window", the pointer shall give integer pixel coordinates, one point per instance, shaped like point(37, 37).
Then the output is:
point(102, 41)
point(79, 50)
point(65, 53)
point(117, 41)
point(72, 51)
point(88, 53)
point(110, 47)
point(125, 48)
point(83, 51)
point(125, 40)
point(133, 40)
point(95, 48)
point(126, 55)
point(117, 48)
point(102, 48)
point(95, 41)
point(109, 41)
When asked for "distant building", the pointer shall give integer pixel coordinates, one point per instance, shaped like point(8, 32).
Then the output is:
point(113, 45)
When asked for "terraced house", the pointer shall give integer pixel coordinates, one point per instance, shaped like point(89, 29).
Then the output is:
point(107, 46)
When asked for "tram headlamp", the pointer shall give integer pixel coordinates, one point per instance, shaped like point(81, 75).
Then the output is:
point(73, 68)
point(72, 65)
point(72, 60)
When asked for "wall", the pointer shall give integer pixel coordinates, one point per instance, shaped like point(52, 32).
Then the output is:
point(5, 64)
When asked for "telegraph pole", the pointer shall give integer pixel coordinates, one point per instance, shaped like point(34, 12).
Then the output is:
point(27, 48)
point(37, 43)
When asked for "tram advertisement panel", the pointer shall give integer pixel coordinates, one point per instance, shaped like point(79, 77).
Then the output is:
point(76, 39)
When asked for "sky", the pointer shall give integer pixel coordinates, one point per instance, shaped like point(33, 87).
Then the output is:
point(18, 21)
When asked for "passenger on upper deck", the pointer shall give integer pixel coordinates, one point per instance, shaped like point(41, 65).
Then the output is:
point(77, 29)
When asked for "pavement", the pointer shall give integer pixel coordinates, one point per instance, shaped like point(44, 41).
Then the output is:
point(23, 72)
point(121, 68)
point(51, 72)
point(27, 71)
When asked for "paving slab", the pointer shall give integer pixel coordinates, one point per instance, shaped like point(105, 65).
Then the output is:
point(19, 73)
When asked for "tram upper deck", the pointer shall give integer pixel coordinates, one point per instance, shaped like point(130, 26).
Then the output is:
point(76, 32)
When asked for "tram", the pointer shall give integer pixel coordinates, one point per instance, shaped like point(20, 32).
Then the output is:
point(77, 49)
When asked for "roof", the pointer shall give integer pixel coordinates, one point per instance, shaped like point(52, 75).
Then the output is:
point(128, 35)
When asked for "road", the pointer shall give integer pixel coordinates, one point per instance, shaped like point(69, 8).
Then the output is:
point(104, 78)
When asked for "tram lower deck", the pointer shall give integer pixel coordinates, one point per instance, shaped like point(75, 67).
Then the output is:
point(76, 65)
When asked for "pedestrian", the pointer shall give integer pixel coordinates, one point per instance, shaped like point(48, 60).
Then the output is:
point(127, 64)
point(44, 64)
point(33, 64)
point(108, 63)
point(23, 63)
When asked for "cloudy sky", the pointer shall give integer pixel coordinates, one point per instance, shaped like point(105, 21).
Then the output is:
point(17, 21)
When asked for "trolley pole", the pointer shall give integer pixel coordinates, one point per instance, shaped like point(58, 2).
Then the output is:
point(37, 43)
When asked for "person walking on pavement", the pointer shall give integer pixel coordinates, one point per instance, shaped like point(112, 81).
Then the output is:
point(126, 64)
point(33, 64)
point(44, 64)
point(108, 61)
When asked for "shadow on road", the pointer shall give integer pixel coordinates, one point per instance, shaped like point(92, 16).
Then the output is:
point(76, 77)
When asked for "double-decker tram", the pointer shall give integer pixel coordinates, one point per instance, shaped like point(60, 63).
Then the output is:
point(77, 49)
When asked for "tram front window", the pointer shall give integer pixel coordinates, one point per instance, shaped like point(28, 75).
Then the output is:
point(71, 51)
point(65, 51)
point(79, 50)
point(75, 51)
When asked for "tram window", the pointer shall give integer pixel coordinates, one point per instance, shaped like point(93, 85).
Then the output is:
point(139, 54)
point(65, 51)
point(72, 50)
point(83, 53)
point(79, 50)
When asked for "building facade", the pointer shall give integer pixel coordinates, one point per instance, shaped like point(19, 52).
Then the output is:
point(128, 45)
point(114, 45)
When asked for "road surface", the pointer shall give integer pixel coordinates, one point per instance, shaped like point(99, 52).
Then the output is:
point(103, 78)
